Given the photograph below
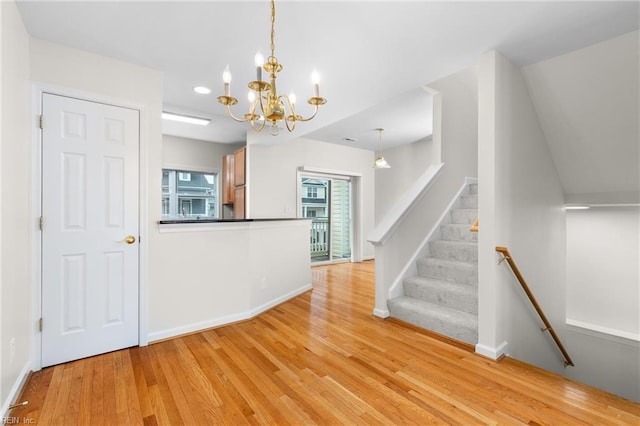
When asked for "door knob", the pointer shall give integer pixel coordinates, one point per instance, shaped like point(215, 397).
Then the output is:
point(129, 239)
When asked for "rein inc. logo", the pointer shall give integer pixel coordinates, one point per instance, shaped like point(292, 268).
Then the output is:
point(17, 421)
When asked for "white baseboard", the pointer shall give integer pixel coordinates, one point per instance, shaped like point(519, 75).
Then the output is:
point(381, 313)
point(224, 320)
point(15, 391)
point(493, 353)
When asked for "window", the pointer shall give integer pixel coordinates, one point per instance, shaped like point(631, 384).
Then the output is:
point(312, 192)
point(189, 195)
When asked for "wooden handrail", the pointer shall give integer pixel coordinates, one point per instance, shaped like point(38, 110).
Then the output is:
point(507, 256)
point(474, 226)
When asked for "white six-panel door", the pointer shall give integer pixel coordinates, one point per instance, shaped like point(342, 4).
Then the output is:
point(90, 228)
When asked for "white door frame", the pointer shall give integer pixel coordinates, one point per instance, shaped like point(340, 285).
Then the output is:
point(37, 89)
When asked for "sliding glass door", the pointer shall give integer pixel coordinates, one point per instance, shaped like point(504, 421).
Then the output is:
point(327, 200)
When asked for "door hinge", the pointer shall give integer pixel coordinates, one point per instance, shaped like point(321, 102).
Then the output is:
point(40, 325)
point(41, 223)
point(41, 121)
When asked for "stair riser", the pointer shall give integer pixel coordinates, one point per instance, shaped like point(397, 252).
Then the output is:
point(457, 233)
point(460, 252)
point(469, 202)
point(466, 302)
point(467, 334)
point(463, 216)
point(464, 275)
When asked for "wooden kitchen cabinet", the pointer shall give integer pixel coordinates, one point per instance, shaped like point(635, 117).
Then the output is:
point(238, 204)
point(228, 179)
point(239, 166)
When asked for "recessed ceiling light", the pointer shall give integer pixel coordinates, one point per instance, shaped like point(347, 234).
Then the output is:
point(202, 90)
point(185, 118)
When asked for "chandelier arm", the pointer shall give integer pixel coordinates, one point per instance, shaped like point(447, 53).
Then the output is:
point(290, 119)
point(258, 128)
point(239, 120)
point(262, 105)
point(315, 111)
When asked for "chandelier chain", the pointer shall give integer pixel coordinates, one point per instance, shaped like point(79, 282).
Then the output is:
point(273, 27)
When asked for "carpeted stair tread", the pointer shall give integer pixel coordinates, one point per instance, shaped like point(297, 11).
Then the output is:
point(462, 297)
point(448, 270)
point(464, 215)
point(469, 202)
point(464, 251)
point(449, 322)
point(457, 232)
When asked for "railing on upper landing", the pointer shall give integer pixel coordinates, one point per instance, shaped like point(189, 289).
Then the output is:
point(319, 237)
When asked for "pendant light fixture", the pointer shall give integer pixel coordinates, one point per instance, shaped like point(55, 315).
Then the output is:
point(380, 162)
point(265, 104)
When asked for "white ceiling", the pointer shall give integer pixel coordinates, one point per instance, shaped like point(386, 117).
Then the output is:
point(373, 56)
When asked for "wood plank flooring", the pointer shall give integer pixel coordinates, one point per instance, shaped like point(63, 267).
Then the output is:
point(321, 358)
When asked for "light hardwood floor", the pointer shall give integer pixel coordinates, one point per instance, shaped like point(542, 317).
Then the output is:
point(321, 358)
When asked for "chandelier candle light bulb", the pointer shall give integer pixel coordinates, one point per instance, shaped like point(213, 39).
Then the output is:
point(315, 80)
point(264, 94)
point(259, 61)
point(226, 77)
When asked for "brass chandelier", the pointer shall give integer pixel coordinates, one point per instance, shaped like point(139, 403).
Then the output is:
point(264, 95)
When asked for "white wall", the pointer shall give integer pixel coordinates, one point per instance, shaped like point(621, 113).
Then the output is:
point(603, 296)
point(214, 274)
point(408, 162)
point(603, 276)
point(519, 184)
point(529, 221)
point(455, 136)
point(272, 175)
point(15, 225)
point(520, 187)
point(194, 155)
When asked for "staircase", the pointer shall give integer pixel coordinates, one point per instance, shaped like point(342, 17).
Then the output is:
point(443, 297)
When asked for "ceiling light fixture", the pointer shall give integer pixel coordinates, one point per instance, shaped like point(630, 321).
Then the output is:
point(262, 94)
point(380, 162)
point(202, 90)
point(185, 118)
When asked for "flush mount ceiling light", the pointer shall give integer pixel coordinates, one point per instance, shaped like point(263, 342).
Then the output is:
point(263, 95)
point(380, 162)
point(202, 90)
point(185, 118)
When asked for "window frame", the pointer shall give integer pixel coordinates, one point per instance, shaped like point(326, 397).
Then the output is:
point(175, 199)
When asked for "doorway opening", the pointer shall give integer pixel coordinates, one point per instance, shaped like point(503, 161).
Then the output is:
point(326, 199)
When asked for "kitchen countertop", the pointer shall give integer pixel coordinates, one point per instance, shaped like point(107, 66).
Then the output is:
point(178, 221)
